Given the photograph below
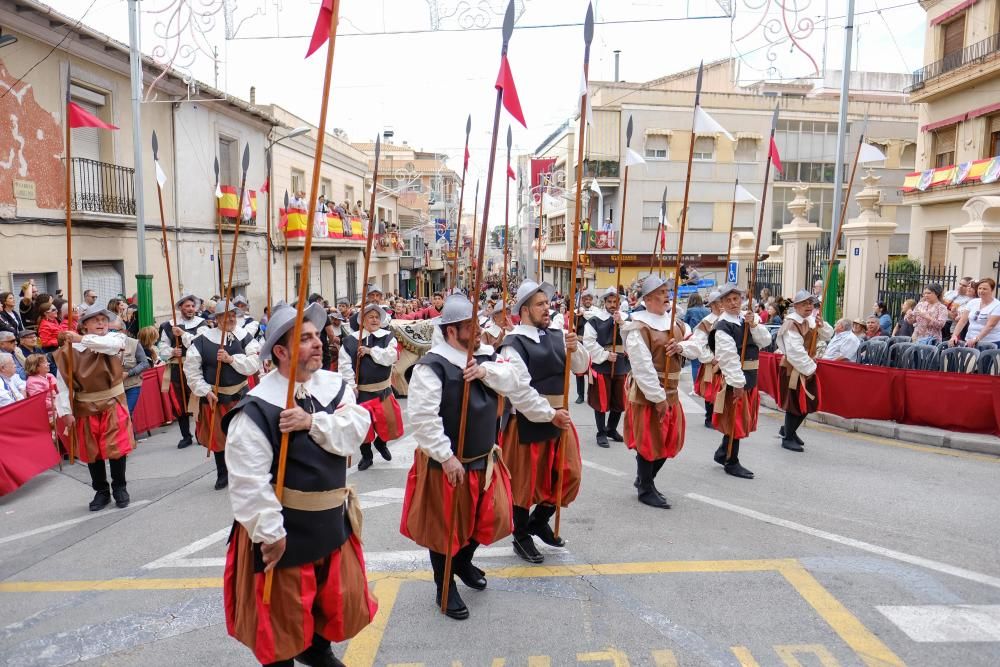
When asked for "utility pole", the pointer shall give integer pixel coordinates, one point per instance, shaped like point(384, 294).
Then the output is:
point(830, 290)
point(144, 281)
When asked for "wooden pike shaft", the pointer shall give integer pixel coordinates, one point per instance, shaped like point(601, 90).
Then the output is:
point(732, 226)
point(279, 489)
point(506, 244)
point(472, 247)
point(69, 287)
point(835, 246)
point(170, 287)
point(618, 265)
point(473, 340)
point(368, 254)
point(458, 225)
point(541, 213)
point(270, 189)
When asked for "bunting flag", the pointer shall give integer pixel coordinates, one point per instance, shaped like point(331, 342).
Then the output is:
point(744, 196)
point(229, 202)
point(705, 124)
point(357, 228)
point(505, 83)
point(80, 117)
point(776, 157)
point(293, 222)
point(632, 158)
point(334, 225)
point(539, 167)
point(510, 173)
point(161, 177)
point(870, 154)
point(321, 31)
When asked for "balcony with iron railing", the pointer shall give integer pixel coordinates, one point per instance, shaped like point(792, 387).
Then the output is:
point(100, 187)
point(930, 81)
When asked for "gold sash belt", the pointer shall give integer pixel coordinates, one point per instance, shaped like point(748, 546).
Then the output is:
point(617, 349)
point(555, 400)
point(751, 365)
point(232, 390)
point(491, 456)
point(376, 386)
point(98, 396)
point(320, 501)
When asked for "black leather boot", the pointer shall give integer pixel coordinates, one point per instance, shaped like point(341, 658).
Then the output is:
point(538, 525)
point(613, 420)
point(709, 409)
point(366, 457)
point(648, 495)
point(99, 482)
point(319, 654)
point(184, 423)
point(720, 453)
point(118, 489)
point(524, 545)
point(789, 439)
point(602, 429)
point(383, 449)
point(733, 466)
point(221, 471)
point(456, 606)
point(470, 575)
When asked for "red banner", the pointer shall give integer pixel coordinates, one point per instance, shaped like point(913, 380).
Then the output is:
point(26, 446)
point(153, 406)
point(951, 401)
point(540, 166)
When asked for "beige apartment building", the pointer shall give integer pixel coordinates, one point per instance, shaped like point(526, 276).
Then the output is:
point(956, 92)
point(661, 111)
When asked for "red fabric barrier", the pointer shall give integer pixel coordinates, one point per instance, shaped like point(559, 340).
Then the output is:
point(151, 409)
point(26, 447)
point(951, 401)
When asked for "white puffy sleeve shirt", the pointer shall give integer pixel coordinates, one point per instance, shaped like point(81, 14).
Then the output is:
point(111, 344)
point(727, 351)
point(792, 345)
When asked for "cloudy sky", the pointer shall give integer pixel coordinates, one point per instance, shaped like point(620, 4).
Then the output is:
point(421, 66)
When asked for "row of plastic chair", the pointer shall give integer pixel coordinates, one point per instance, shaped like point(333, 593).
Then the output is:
point(922, 357)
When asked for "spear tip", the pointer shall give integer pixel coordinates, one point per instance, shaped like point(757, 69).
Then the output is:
point(286, 200)
point(156, 145)
point(246, 157)
point(468, 126)
point(508, 23)
point(588, 25)
point(510, 138)
point(216, 169)
point(378, 146)
point(628, 131)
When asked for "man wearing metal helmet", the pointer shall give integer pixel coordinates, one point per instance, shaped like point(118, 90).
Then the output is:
point(175, 339)
point(231, 354)
point(311, 540)
point(704, 383)
point(372, 382)
point(532, 440)
point(602, 337)
point(798, 386)
point(497, 327)
point(737, 401)
point(373, 296)
point(584, 311)
point(97, 416)
point(479, 477)
point(654, 417)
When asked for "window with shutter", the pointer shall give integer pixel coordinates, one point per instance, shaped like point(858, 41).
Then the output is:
point(704, 148)
point(937, 245)
point(651, 215)
point(700, 216)
point(241, 272)
point(744, 218)
point(944, 146)
point(954, 36)
point(104, 278)
point(656, 147)
point(746, 150)
point(992, 148)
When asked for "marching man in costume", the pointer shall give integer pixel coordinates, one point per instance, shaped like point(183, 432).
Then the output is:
point(239, 359)
point(704, 384)
point(312, 540)
point(609, 366)
point(532, 440)
point(479, 478)
point(798, 386)
point(737, 401)
point(243, 319)
point(497, 327)
point(175, 339)
point(584, 312)
point(379, 351)
point(98, 416)
point(374, 298)
point(654, 420)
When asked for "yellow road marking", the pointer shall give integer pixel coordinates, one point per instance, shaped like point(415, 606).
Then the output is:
point(363, 648)
point(664, 659)
point(787, 654)
point(927, 449)
point(743, 654)
point(539, 661)
point(868, 647)
point(612, 655)
point(109, 585)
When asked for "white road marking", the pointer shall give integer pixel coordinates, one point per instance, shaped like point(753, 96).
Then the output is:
point(63, 524)
point(389, 496)
point(938, 566)
point(604, 469)
point(180, 558)
point(946, 623)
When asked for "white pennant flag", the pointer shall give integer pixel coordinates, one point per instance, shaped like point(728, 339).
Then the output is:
point(870, 154)
point(632, 158)
point(583, 92)
point(595, 187)
point(744, 196)
point(703, 123)
point(218, 191)
point(161, 178)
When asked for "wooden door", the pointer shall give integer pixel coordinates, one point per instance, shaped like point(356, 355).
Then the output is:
point(937, 248)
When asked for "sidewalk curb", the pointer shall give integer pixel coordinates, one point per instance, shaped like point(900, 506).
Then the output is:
point(923, 435)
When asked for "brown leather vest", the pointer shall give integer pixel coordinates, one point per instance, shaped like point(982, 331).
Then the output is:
point(657, 341)
point(810, 337)
point(92, 372)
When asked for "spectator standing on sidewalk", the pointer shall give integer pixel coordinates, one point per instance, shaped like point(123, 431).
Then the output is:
point(49, 328)
point(904, 327)
point(929, 316)
point(41, 381)
point(982, 314)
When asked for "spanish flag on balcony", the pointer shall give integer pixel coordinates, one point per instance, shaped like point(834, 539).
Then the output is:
point(229, 203)
point(335, 226)
point(292, 221)
point(357, 229)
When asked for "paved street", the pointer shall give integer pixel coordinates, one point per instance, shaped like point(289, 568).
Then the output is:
point(861, 551)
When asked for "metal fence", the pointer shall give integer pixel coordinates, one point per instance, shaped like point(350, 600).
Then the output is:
point(896, 286)
point(973, 53)
point(817, 261)
point(769, 276)
point(100, 187)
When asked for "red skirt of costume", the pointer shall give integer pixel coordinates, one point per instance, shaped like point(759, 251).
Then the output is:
point(178, 393)
point(651, 437)
point(104, 436)
point(483, 508)
point(329, 597)
point(736, 417)
point(804, 398)
point(706, 385)
point(203, 428)
point(387, 418)
point(607, 393)
point(534, 468)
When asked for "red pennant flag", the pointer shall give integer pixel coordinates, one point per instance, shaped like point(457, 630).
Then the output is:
point(663, 238)
point(466, 157)
point(267, 186)
point(80, 117)
point(510, 173)
point(321, 31)
point(505, 82)
point(775, 158)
